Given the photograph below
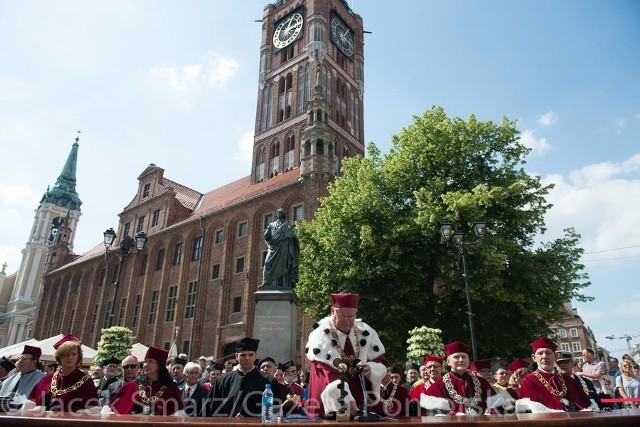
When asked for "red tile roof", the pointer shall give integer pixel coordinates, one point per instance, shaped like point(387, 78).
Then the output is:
point(185, 195)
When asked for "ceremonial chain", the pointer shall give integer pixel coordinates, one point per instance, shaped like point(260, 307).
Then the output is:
point(583, 383)
point(54, 385)
point(356, 348)
point(153, 399)
point(388, 402)
point(559, 393)
point(446, 378)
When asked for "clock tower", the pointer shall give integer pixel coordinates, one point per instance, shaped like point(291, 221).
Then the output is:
point(311, 82)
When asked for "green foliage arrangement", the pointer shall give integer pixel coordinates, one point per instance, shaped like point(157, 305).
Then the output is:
point(115, 341)
point(423, 341)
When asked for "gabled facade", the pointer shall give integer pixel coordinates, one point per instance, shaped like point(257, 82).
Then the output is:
point(203, 259)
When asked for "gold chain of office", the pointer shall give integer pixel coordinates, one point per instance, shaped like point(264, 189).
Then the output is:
point(477, 389)
point(54, 385)
point(555, 392)
point(388, 402)
point(356, 348)
point(153, 399)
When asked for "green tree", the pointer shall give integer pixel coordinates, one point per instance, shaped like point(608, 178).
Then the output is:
point(377, 233)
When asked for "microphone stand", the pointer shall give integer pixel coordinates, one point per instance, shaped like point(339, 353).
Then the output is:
point(366, 415)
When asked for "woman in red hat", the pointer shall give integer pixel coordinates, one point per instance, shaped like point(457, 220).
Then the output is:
point(68, 389)
point(153, 392)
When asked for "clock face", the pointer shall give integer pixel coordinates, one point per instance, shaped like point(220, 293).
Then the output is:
point(342, 36)
point(287, 31)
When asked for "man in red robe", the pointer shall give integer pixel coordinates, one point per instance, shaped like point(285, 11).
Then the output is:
point(433, 367)
point(394, 399)
point(545, 390)
point(342, 339)
point(459, 391)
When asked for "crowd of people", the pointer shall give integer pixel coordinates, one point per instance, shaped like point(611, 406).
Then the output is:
point(348, 376)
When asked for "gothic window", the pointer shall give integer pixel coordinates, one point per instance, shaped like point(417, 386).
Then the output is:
point(155, 219)
point(192, 293)
point(284, 97)
point(274, 161)
point(172, 298)
point(196, 253)
point(177, 254)
point(304, 87)
point(265, 110)
point(160, 259)
point(289, 150)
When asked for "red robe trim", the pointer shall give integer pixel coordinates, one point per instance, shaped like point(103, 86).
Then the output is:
point(463, 385)
point(127, 399)
point(84, 397)
point(533, 389)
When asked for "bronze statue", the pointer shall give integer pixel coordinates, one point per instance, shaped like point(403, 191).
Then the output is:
point(283, 256)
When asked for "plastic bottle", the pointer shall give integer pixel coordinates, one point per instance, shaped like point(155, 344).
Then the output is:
point(267, 405)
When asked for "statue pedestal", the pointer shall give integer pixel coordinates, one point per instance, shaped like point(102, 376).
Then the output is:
point(275, 324)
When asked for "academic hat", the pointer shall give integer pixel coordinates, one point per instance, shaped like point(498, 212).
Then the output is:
point(433, 358)
point(35, 352)
point(412, 366)
point(347, 300)
point(544, 342)
point(215, 367)
point(67, 338)
point(179, 361)
point(266, 359)
point(247, 344)
point(110, 361)
point(157, 354)
point(456, 347)
point(564, 356)
point(517, 364)
point(479, 365)
point(286, 365)
point(395, 369)
point(7, 364)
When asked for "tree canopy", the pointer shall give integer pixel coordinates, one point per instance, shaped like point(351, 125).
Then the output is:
point(377, 233)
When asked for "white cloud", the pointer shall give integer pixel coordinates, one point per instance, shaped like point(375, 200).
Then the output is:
point(589, 315)
point(547, 119)
point(602, 202)
point(628, 308)
point(538, 145)
point(244, 149)
point(189, 80)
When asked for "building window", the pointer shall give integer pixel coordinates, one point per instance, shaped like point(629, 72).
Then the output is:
point(562, 333)
point(140, 226)
point(186, 346)
point(298, 212)
point(243, 229)
point(197, 249)
point(146, 190)
point(155, 219)
point(219, 236)
point(177, 254)
point(565, 346)
point(172, 296)
point(143, 265)
point(576, 346)
point(160, 259)
point(136, 310)
point(192, 293)
point(123, 303)
point(153, 307)
point(127, 228)
point(215, 271)
point(237, 304)
point(573, 332)
point(94, 319)
point(268, 219)
point(107, 314)
point(240, 264)
point(579, 361)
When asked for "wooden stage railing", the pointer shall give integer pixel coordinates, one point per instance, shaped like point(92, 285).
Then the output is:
point(621, 417)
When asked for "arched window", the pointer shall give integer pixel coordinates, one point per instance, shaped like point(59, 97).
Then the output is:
point(260, 164)
point(303, 88)
point(289, 150)
point(274, 162)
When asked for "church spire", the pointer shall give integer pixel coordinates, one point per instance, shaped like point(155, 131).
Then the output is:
point(64, 192)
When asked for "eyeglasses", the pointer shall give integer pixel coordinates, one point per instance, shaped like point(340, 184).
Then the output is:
point(129, 366)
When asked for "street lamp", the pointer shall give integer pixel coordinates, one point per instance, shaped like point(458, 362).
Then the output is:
point(457, 240)
point(123, 250)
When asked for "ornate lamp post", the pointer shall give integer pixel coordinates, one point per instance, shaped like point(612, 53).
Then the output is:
point(123, 250)
point(457, 240)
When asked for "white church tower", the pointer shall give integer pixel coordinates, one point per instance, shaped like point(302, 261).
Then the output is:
point(54, 225)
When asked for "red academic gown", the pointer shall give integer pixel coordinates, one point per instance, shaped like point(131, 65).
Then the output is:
point(420, 389)
point(464, 386)
point(394, 401)
point(127, 399)
point(533, 389)
point(294, 389)
point(321, 353)
point(83, 397)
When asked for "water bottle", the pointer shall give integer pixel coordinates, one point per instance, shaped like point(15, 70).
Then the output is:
point(267, 404)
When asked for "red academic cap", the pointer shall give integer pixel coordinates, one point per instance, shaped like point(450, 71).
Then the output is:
point(66, 338)
point(157, 354)
point(456, 347)
point(35, 352)
point(433, 358)
point(517, 364)
point(479, 365)
point(544, 342)
point(345, 300)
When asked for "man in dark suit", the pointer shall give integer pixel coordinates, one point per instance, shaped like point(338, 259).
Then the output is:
point(193, 394)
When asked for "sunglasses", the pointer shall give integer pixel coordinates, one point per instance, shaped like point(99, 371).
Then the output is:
point(129, 366)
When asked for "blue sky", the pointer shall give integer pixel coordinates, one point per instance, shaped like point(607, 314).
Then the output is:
point(175, 84)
